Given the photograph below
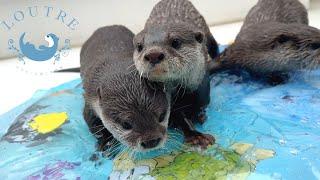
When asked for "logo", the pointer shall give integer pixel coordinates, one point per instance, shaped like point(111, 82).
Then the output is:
point(40, 52)
point(43, 52)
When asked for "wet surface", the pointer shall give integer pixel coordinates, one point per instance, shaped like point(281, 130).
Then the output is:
point(283, 119)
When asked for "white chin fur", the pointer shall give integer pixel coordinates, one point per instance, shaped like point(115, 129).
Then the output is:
point(190, 76)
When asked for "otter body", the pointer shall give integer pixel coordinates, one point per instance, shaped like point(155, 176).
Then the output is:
point(274, 40)
point(174, 48)
point(116, 98)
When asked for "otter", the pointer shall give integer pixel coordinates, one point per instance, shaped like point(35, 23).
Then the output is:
point(273, 49)
point(174, 44)
point(131, 109)
point(274, 40)
point(282, 11)
point(174, 48)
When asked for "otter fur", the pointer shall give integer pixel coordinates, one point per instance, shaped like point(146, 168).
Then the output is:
point(127, 107)
point(174, 48)
point(274, 40)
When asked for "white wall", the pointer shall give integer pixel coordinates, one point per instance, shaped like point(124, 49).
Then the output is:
point(94, 14)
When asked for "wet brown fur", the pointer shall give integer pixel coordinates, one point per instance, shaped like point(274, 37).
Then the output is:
point(115, 95)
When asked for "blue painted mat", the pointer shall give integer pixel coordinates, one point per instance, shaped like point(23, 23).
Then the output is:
point(262, 132)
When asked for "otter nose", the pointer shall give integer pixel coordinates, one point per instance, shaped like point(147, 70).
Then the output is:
point(154, 57)
point(150, 143)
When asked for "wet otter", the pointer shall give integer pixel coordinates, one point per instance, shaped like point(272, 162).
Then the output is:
point(274, 40)
point(274, 48)
point(132, 110)
point(174, 48)
point(282, 11)
point(174, 44)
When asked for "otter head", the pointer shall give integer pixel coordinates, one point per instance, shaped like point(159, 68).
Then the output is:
point(171, 53)
point(275, 48)
point(296, 46)
point(135, 112)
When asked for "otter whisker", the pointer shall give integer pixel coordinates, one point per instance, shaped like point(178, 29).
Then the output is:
point(97, 126)
point(182, 107)
point(112, 150)
point(132, 65)
point(115, 150)
point(141, 76)
point(95, 132)
point(177, 95)
point(136, 73)
point(123, 151)
point(131, 153)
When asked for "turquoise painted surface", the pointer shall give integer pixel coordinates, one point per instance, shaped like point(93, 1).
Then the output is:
point(284, 118)
point(63, 154)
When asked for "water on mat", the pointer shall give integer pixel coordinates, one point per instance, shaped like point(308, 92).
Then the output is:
point(262, 132)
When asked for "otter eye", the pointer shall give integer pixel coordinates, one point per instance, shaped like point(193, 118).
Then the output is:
point(176, 43)
point(315, 46)
point(162, 116)
point(139, 47)
point(126, 126)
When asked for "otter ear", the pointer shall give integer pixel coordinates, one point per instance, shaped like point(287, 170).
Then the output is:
point(134, 40)
point(199, 37)
point(99, 93)
point(139, 37)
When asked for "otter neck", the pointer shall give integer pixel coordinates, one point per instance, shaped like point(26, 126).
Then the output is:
point(190, 85)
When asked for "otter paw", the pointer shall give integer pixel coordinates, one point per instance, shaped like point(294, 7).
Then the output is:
point(202, 140)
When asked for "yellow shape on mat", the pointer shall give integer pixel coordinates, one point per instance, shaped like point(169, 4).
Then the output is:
point(45, 123)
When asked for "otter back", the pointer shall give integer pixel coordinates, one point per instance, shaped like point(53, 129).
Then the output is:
point(107, 48)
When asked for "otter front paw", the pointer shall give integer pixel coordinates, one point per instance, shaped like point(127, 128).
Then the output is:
point(201, 140)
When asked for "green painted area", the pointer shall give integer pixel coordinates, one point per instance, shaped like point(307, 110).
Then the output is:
point(193, 165)
point(235, 163)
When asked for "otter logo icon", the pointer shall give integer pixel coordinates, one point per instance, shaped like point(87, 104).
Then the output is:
point(43, 53)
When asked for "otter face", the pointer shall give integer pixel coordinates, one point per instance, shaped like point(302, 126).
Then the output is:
point(275, 47)
point(135, 114)
point(171, 54)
